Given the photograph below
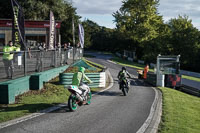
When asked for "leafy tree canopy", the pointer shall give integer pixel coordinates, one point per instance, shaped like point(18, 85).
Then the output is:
point(39, 10)
point(138, 19)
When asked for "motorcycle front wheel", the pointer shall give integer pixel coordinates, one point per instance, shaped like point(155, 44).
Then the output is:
point(72, 103)
point(89, 97)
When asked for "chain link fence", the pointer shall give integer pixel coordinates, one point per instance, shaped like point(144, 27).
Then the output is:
point(28, 62)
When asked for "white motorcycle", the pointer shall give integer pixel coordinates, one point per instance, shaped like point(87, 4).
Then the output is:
point(77, 96)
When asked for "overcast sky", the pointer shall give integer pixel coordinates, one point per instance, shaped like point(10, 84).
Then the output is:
point(100, 11)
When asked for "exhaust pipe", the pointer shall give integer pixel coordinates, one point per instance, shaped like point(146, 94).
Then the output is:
point(79, 97)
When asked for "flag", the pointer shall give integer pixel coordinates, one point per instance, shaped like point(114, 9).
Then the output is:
point(81, 35)
point(18, 25)
point(52, 31)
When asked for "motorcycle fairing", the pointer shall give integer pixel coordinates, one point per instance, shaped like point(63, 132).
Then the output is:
point(74, 88)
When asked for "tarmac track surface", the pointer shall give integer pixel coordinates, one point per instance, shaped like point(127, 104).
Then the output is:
point(109, 112)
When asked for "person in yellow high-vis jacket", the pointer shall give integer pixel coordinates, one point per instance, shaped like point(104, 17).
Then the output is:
point(8, 59)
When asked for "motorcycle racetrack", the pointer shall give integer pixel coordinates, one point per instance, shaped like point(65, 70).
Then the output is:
point(109, 111)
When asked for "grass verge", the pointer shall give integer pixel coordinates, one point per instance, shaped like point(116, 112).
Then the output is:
point(191, 78)
point(34, 101)
point(181, 112)
point(129, 63)
point(140, 66)
point(92, 63)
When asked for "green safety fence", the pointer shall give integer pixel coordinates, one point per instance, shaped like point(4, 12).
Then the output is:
point(98, 79)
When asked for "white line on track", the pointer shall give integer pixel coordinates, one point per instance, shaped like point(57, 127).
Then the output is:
point(34, 115)
point(111, 61)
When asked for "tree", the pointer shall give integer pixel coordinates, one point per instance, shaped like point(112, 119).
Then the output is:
point(185, 40)
point(90, 28)
point(159, 45)
point(102, 38)
point(139, 21)
point(5, 9)
point(39, 10)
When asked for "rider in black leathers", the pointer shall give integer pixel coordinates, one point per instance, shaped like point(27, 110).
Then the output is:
point(121, 75)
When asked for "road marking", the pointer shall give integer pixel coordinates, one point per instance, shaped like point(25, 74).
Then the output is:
point(150, 117)
point(111, 61)
point(34, 115)
point(48, 110)
point(111, 84)
point(31, 116)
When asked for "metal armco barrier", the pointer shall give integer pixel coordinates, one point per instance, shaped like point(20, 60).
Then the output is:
point(190, 90)
point(151, 79)
point(188, 73)
point(98, 79)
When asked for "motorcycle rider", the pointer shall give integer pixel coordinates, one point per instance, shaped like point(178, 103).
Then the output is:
point(123, 74)
point(78, 78)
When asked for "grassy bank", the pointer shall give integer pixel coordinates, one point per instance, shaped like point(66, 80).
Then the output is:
point(191, 78)
point(129, 63)
point(140, 66)
point(34, 101)
point(181, 112)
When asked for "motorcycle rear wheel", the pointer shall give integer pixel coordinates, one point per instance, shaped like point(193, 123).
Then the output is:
point(124, 91)
point(72, 103)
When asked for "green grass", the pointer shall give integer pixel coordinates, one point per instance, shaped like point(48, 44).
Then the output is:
point(95, 89)
point(191, 78)
point(108, 53)
point(129, 63)
point(139, 66)
point(34, 101)
point(92, 64)
point(87, 61)
point(181, 112)
point(76, 69)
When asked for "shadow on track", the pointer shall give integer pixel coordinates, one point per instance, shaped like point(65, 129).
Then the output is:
point(109, 93)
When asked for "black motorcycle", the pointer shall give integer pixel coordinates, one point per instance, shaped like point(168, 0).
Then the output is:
point(124, 86)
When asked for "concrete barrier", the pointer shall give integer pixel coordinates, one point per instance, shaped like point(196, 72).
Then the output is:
point(140, 61)
point(37, 80)
point(118, 54)
point(130, 59)
point(10, 89)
